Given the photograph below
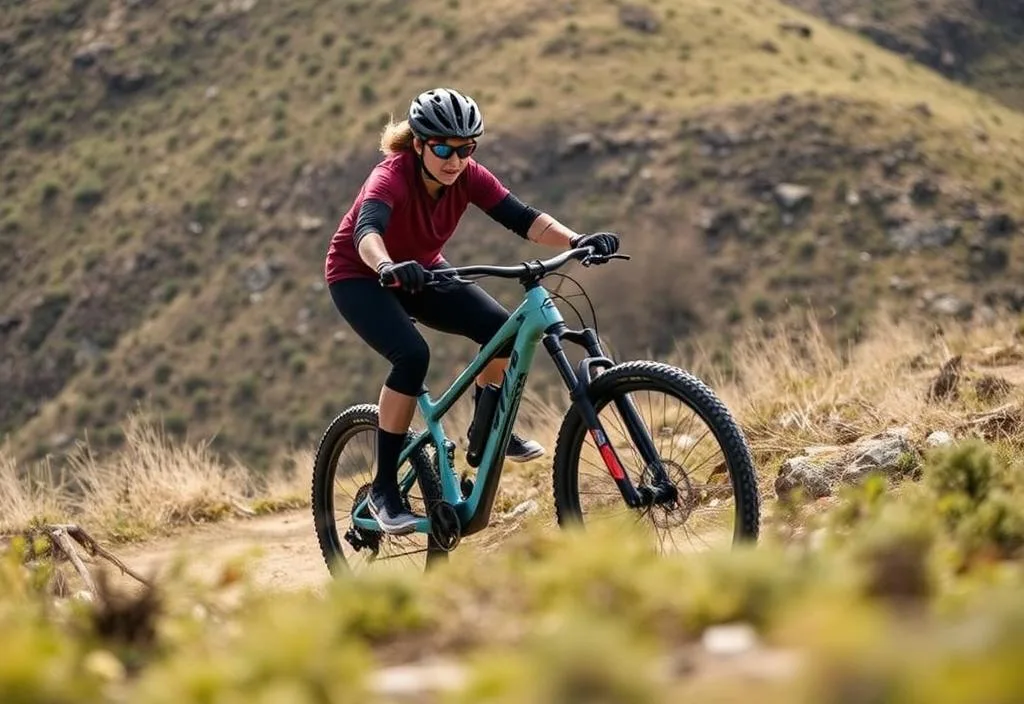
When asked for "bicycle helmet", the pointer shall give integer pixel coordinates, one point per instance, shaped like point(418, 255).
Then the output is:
point(445, 112)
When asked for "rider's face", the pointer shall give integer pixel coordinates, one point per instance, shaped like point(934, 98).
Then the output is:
point(446, 167)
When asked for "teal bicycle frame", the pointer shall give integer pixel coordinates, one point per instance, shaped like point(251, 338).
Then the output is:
point(527, 324)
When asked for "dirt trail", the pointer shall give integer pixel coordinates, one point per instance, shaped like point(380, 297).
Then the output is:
point(283, 545)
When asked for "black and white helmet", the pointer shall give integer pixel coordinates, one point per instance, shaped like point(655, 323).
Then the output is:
point(444, 112)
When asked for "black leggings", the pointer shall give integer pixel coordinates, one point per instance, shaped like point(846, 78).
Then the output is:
point(381, 317)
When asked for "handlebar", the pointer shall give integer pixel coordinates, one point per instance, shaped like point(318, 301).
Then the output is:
point(526, 272)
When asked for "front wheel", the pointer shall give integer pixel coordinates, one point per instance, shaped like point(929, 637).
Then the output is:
point(701, 455)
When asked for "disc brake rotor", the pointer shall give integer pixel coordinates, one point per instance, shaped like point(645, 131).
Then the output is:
point(675, 513)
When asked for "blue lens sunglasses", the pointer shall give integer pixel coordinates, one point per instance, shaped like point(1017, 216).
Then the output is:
point(444, 151)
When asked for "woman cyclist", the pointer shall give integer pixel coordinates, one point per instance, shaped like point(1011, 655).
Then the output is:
point(406, 210)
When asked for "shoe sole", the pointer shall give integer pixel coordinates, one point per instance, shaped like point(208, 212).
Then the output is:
point(391, 529)
point(525, 458)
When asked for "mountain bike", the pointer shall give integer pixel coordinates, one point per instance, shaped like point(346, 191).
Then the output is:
point(612, 412)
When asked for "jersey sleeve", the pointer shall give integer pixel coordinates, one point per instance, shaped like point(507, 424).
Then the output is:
point(385, 184)
point(485, 190)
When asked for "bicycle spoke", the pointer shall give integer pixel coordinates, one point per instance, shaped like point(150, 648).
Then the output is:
point(690, 523)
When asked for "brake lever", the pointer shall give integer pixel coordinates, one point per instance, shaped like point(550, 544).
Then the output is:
point(597, 259)
point(445, 280)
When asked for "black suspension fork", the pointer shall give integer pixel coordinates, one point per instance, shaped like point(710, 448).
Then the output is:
point(578, 383)
point(635, 426)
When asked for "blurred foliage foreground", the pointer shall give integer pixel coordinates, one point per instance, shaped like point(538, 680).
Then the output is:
point(890, 594)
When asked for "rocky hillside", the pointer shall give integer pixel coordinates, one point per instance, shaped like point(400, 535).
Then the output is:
point(977, 42)
point(172, 174)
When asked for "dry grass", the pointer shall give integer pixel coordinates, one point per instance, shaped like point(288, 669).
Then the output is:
point(148, 487)
point(794, 389)
point(25, 499)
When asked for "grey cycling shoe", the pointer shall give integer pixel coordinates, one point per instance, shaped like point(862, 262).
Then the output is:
point(520, 450)
point(389, 512)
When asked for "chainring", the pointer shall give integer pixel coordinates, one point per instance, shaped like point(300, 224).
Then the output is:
point(445, 527)
point(357, 537)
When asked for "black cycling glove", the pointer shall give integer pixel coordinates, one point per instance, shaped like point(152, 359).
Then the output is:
point(604, 243)
point(409, 276)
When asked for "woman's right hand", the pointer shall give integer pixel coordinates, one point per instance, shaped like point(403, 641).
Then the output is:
point(409, 275)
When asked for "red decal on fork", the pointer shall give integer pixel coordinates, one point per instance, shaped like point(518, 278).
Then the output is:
point(608, 455)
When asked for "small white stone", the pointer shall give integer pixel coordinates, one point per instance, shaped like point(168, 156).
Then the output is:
point(729, 639)
point(940, 438)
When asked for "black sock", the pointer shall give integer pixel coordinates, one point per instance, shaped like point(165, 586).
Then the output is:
point(389, 447)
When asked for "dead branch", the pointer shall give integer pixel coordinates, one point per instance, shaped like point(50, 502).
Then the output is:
point(59, 535)
point(63, 536)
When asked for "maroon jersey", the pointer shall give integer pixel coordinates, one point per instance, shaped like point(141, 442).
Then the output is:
point(418, 226)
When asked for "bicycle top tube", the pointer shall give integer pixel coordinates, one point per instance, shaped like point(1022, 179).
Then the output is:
point(526, 271)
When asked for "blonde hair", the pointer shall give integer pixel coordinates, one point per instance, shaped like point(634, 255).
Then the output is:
point(396, 137)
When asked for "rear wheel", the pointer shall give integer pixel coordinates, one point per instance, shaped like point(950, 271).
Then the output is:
point(346, 461)
point(713, 500)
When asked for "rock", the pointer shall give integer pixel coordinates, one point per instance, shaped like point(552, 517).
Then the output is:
point(258, 277)
point(1000, 225)
point(769, 47)
point(59, 441)
point(940, 438)
point(579, 143)
point(792, 196)
point(526, 508)
point(638, 17)
point(89, 54)
point(798, 28)
point(820, 469)
point(716, 222)
point(986, 315)
point(8, 323)
point(729, 639)
point(414, 682)
point(802, 473)
point(128, 80)
point(308, 223)
point(900, 285)
point(913, 236)
point(883, 453)
point(949, 305)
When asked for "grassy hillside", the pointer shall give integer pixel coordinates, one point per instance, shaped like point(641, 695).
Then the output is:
point(173, 171)
point(978, 43)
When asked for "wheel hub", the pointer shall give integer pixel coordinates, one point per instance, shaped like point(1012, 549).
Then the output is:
point(674, 500)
